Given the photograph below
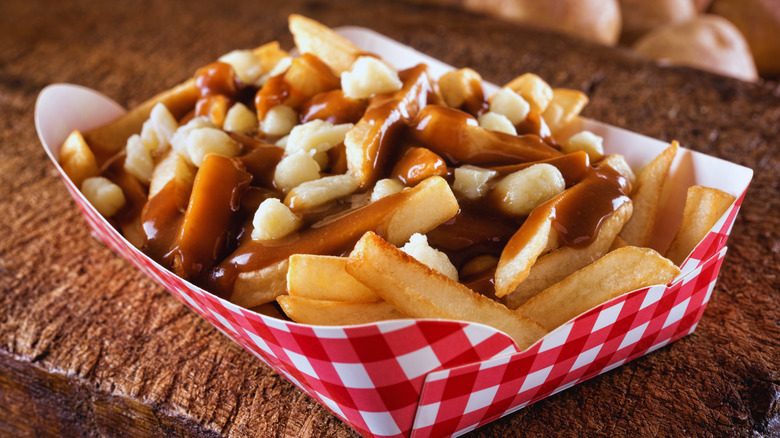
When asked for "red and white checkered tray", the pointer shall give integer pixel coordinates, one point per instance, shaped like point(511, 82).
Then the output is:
point(436, 377)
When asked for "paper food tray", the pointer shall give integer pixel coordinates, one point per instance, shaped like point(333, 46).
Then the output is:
point(431, 377)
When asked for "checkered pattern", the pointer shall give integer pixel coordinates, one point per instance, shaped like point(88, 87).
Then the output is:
point(440, 378)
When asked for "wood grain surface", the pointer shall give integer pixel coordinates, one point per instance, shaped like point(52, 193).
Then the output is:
point(89, 346)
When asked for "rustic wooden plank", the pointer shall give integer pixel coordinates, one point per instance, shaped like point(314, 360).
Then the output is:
point(90, 346)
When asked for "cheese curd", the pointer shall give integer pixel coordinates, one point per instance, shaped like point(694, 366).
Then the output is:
point(418, 248)
point(240, 119)
point(321, 191)
point(510, 104)
point(104, 195)
point(460, 86)
point(155, 137)
point(520, 192)
point(247, 66)
point(367, 77)
point(316, 137)
point(472, 181)
point(279, 120)
point(204, 141)
point(274, 220)
point(295, 169)
point(180, 138)
point(586, 141)
point(385, 187)
point(496, 122)
point(138, 159)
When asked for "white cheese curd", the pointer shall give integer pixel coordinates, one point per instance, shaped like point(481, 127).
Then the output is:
point(240, 119)
point(496, 122)
point(104, 195)
point(510, 104)
point(369, 76)
point(472, 181)
point(586, 141)
point(418, 248)
point(274, 220)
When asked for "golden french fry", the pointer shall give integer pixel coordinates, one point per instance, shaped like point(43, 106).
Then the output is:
point(368, 142)
point(325, 278)
point(204, 228)
point(420, 292)
point(418, 209)
point(533, 89)
point(313, 37)
point(703, 207)
point(646, 194)
point(262, 286)
point(562, 262)
point(322, 312)
point(307, 75)
point(618, 272)
point(106, 140)
point(77, 159)
point(535, 237)
point(565, 105)
point(456, 136)
point(270, 54)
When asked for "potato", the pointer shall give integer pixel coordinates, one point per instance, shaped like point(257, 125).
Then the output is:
point(759, 22)
point(594, 20)
point(707, 42)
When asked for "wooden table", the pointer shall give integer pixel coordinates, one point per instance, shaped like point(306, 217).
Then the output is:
point(89, 346)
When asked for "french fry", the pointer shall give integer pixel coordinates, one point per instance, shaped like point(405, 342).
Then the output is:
point(368, 142)
point(620, 271)
point(420, 292)
point(456, 136)
point(703, 207)
point(535, 237)
point(270, 54)
point(205, 226)
point(108, 139)
point(562, 262)
point(418, 209)
point(172, 167)
point(563, 108)
point(325, 278)
point(321, 312)
point(262, 286)
point(313, 37)
point(645, 196)
point(77, 159)
point(307, 75)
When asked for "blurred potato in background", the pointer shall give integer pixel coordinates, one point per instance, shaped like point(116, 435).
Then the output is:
point(708, 42)
point(737, 38)
point(759, 22)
